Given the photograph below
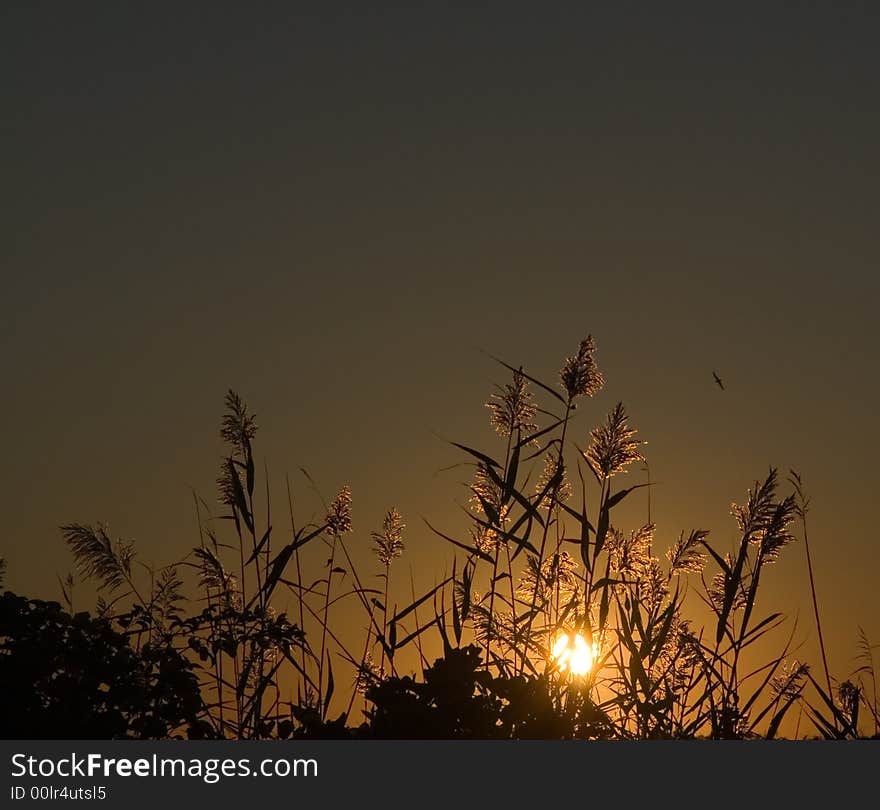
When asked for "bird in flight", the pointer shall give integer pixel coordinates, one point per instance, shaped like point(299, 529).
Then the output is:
point(718, 380)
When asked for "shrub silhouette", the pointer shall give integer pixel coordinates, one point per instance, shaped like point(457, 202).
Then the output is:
point(76, 677)
point(459, 699)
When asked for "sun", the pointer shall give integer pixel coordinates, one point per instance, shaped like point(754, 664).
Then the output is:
point(573, 653)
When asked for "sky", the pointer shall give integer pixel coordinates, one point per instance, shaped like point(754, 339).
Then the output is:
point(340, 210)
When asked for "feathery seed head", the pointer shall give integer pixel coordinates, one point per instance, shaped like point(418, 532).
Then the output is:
point(849, 695)
point(717, 589)
point(512, 408)
point(630, 555)
point(99, 557)
point(580, 376)
point(553, 479)
point(790, 680)
point(764, 521)
point(238, 426)
point(226, 484)
point(368, 674)
point(685, 556)
point(486, 497)
point(488, 538)
point(389, 542)
point(613, 447)
point(557, 577)
point(339, 517)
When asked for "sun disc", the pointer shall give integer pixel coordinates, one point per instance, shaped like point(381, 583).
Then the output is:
point(572, 652)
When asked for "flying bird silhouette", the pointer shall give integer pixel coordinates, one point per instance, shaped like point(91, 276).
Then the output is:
point(718, 380)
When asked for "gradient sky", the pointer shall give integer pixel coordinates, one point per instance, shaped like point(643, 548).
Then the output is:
point(337, 209)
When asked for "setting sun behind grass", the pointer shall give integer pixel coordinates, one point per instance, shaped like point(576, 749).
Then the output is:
point(573, 653)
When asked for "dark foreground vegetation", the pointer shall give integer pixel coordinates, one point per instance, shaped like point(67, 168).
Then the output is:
point(554, 623)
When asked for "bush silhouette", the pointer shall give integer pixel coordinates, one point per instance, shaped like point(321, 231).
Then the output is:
point(459, 699)
point(76, 677)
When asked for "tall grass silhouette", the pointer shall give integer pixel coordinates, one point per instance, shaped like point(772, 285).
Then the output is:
point(555, 620)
